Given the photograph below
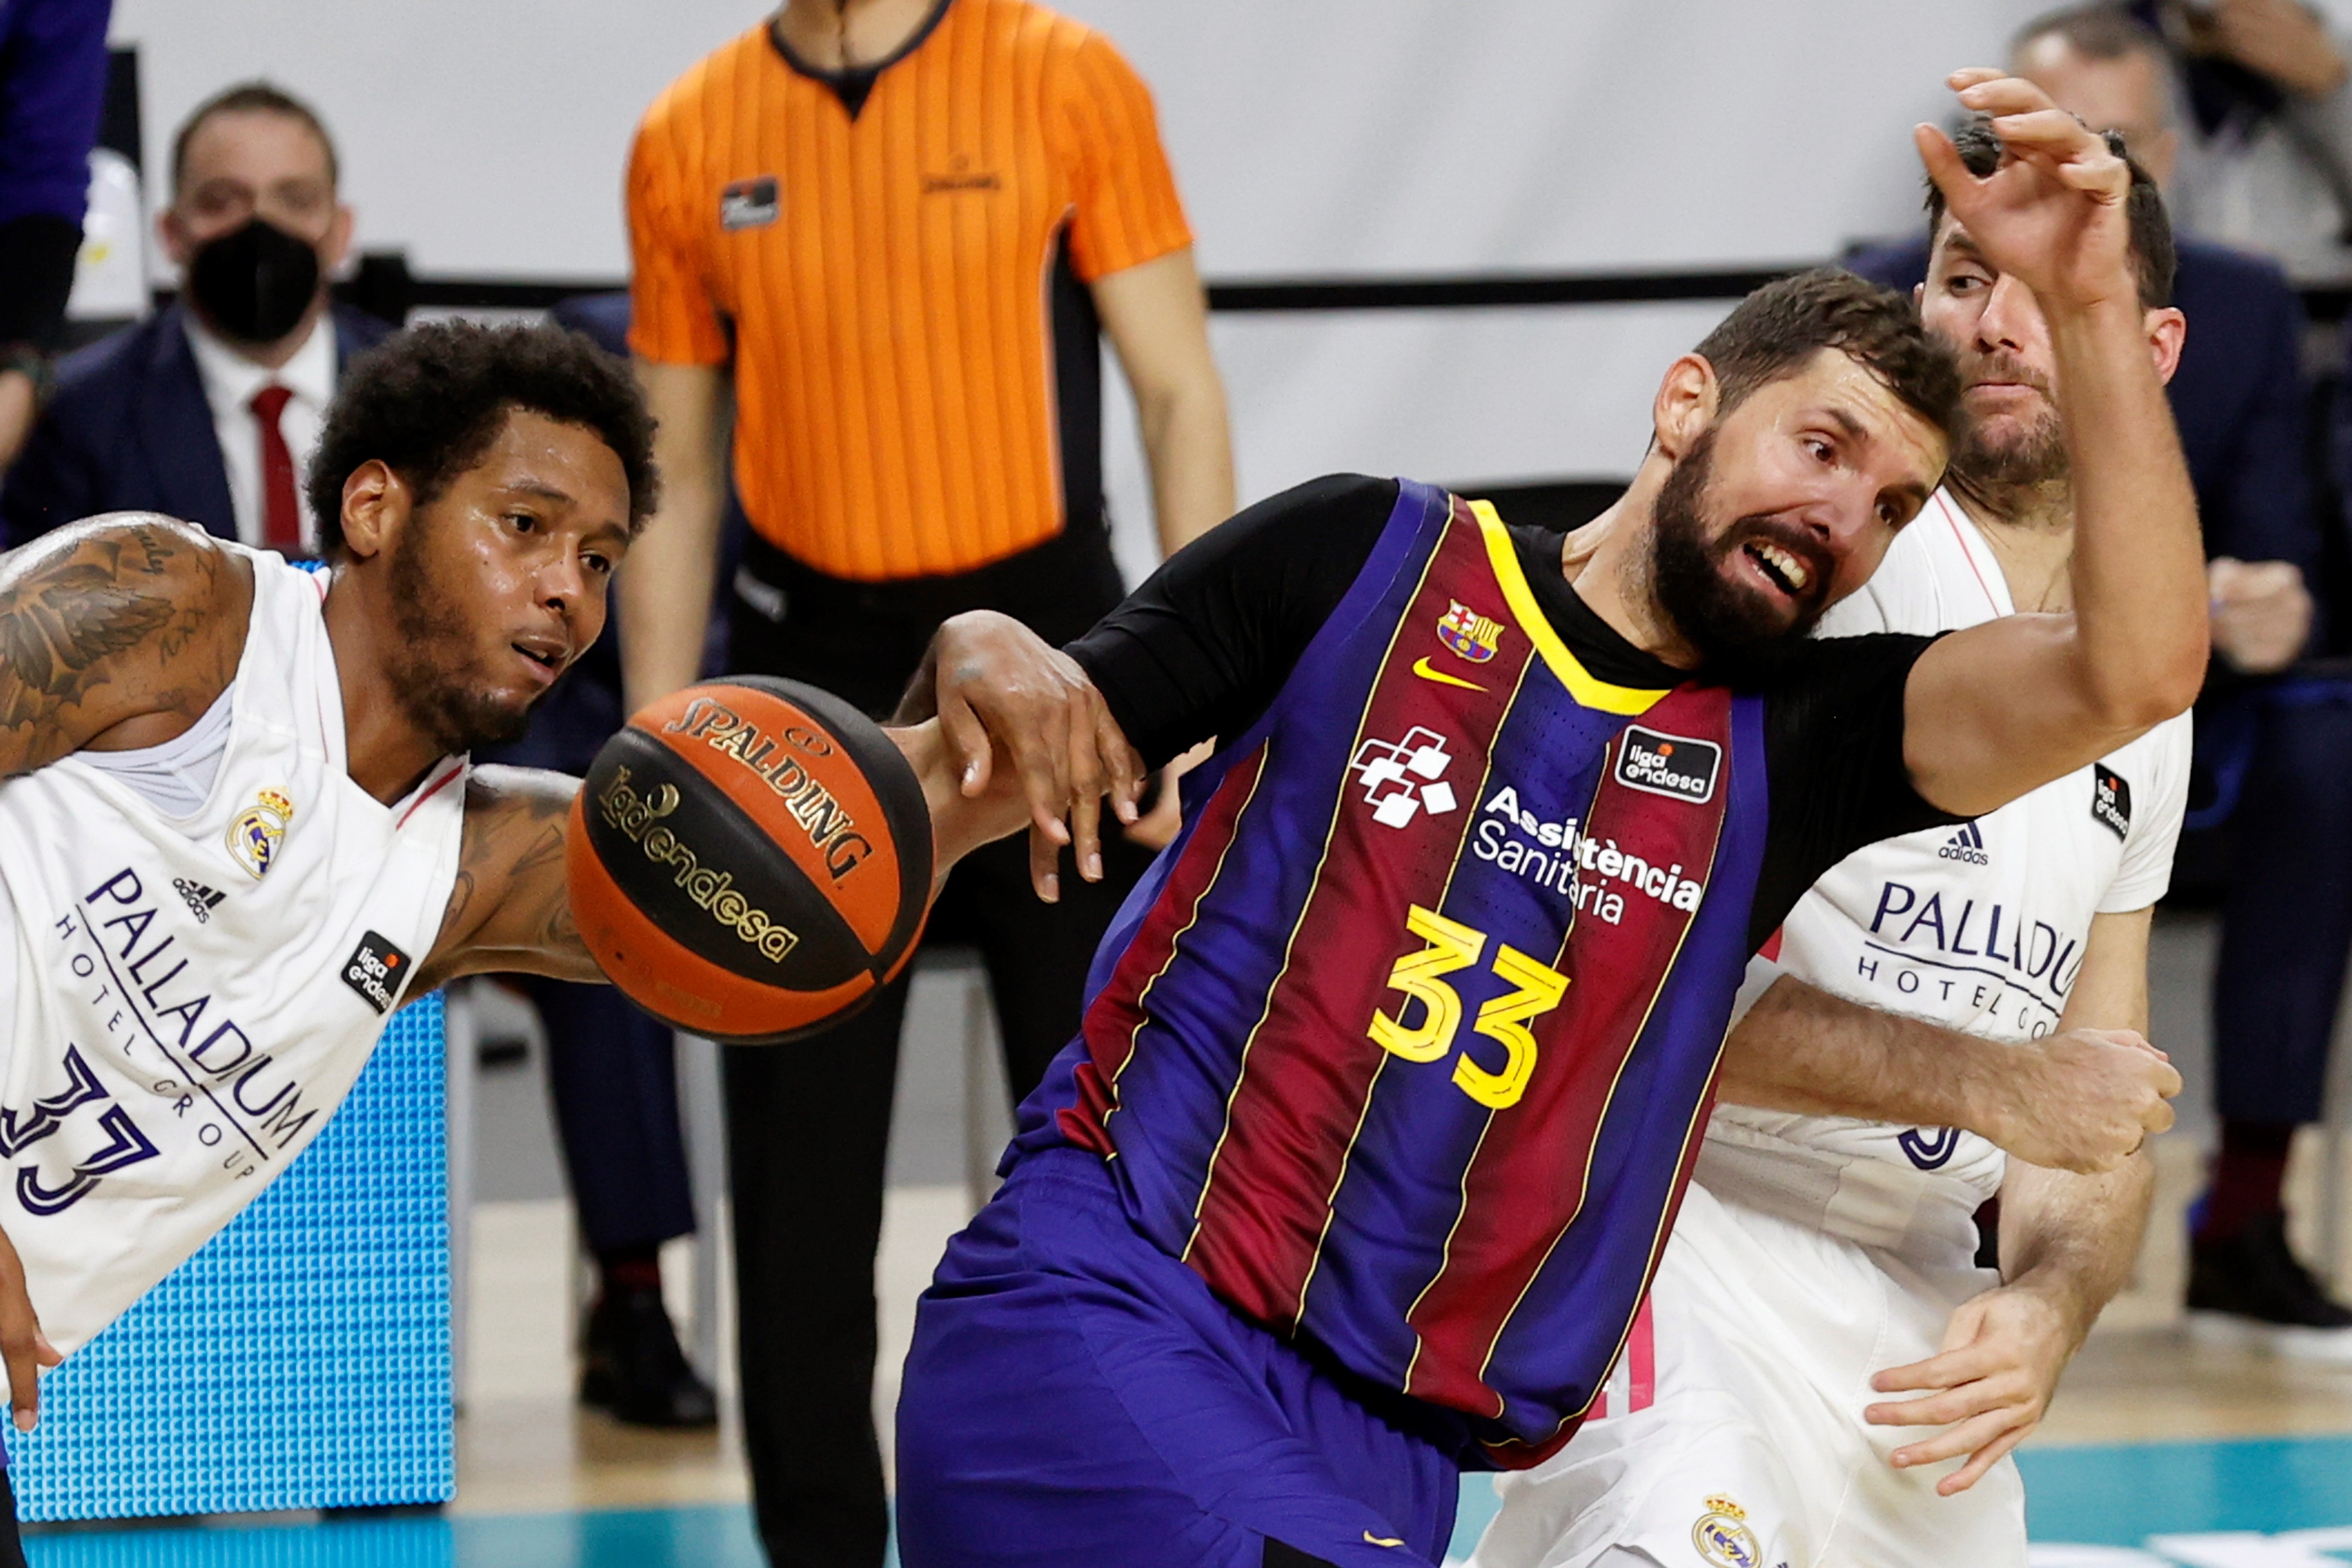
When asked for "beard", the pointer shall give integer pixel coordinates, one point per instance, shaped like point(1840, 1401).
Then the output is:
point(430, 669)
point(1734, 626)
point(2037, 456)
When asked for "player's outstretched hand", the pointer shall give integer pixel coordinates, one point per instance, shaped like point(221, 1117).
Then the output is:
point(996, 686)
point(1987, 1388)
point(22, 1344)
point(2052, 213)
point(2085, 1100)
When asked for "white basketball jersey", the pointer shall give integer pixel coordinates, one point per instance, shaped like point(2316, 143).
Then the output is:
point(1978, 928)
point(189, 998)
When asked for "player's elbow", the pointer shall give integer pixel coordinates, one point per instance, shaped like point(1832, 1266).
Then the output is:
point(2150, 692)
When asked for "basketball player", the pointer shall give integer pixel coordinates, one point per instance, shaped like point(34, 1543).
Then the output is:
point(238, 826)
point(1817, 1260)
point(1393, 1068)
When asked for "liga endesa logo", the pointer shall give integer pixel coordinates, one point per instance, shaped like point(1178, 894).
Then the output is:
point(1674, 766)
point(638, 818)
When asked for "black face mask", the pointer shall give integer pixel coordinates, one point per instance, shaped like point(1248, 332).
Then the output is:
point(254, 283)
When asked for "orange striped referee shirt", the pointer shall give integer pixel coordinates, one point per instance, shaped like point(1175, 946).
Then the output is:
point(899, 279)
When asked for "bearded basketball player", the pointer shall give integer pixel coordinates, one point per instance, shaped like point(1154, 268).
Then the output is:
point(1823, 1267)
point(1396, 1064)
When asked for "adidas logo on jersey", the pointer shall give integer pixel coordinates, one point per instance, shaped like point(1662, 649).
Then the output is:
point(1967, 845)
point(202, 901)
point(1404, 778)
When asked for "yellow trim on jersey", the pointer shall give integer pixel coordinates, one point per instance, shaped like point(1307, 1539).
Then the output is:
point(1588, 689)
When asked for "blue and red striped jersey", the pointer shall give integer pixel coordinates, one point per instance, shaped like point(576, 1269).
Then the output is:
point(1405, 1044)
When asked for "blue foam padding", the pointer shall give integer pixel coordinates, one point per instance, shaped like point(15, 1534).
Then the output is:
point(301, 1359)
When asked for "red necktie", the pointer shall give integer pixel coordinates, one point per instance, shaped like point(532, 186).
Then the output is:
point(281, 518)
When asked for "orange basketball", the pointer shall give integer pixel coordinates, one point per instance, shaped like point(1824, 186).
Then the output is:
point(750, 859)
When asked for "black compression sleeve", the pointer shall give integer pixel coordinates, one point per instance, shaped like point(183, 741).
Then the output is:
point(1833, 751)
point(1203, 645)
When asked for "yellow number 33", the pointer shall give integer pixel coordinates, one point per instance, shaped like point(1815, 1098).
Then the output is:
point(1422, 977)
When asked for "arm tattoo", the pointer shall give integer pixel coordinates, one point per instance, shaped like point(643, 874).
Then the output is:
point(58, 628)
point(66, 624)
point(510, 899)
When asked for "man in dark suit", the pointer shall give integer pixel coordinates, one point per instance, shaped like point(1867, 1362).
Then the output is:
point(208, 410)
point(2278, 743)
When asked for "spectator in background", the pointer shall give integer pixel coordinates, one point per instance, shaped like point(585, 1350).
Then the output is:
point(2286, 927)
point(208, 410)
point(2266, 149)
point(911, 213)
point(52, 90)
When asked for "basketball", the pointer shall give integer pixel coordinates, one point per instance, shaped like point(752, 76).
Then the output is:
point(749, 860)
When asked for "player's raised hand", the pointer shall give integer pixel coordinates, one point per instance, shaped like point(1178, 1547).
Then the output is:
point(22, 1344)
point(996, 686)
point(2085, 1100)
point(2054, 212)
point(1988, 1387)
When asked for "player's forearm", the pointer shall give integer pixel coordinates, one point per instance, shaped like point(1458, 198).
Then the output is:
point(665, 585)
point(2072, 1238)
point(664, 591)
point(1802, 1049)
point(2138, 565)
point(1189, 446)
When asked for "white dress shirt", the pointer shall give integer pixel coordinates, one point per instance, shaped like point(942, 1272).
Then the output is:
point(230, 381)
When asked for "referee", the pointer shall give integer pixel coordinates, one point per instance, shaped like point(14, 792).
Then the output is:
point(890, 229)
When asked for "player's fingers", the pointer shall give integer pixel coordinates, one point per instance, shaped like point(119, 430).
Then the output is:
point(1966, 1438)
point(2051, 132)
point(969, 750)
point(1044, 864)
point(1087, 782)
point(1967, 76)
point(24, 1348)
point(25, 1355)
point(1042, 750)
point(1984, 1459)
point(1122, 764)
point(1928, 1410)
point(1949, 1369)
point(1942, 161)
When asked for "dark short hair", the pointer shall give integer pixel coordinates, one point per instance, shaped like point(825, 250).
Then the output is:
point(1777, 329)
point(2153, 256)
point(429, 402)
point(2097, 32)
point(250, 98)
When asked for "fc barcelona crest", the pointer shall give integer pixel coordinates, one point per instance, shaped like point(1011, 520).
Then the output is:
point(1466, 632)
point(254, 834)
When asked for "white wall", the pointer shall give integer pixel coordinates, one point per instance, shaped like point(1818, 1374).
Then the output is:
point(1313, 137)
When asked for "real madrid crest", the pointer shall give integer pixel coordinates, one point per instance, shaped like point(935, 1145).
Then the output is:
point(256, 832)
point(1722, 1537)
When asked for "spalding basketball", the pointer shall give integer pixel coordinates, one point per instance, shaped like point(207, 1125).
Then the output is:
point(750, 859)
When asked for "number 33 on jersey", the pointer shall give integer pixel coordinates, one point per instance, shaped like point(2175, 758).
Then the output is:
point(1421, 976)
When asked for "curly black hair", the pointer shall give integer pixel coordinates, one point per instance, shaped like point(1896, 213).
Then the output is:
point(428, 402)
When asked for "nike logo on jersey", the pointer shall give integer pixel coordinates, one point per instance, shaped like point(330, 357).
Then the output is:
point(1371, 1539)
point(1420, 667)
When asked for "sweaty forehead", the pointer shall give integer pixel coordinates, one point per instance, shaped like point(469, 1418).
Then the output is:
point(1839, 387)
